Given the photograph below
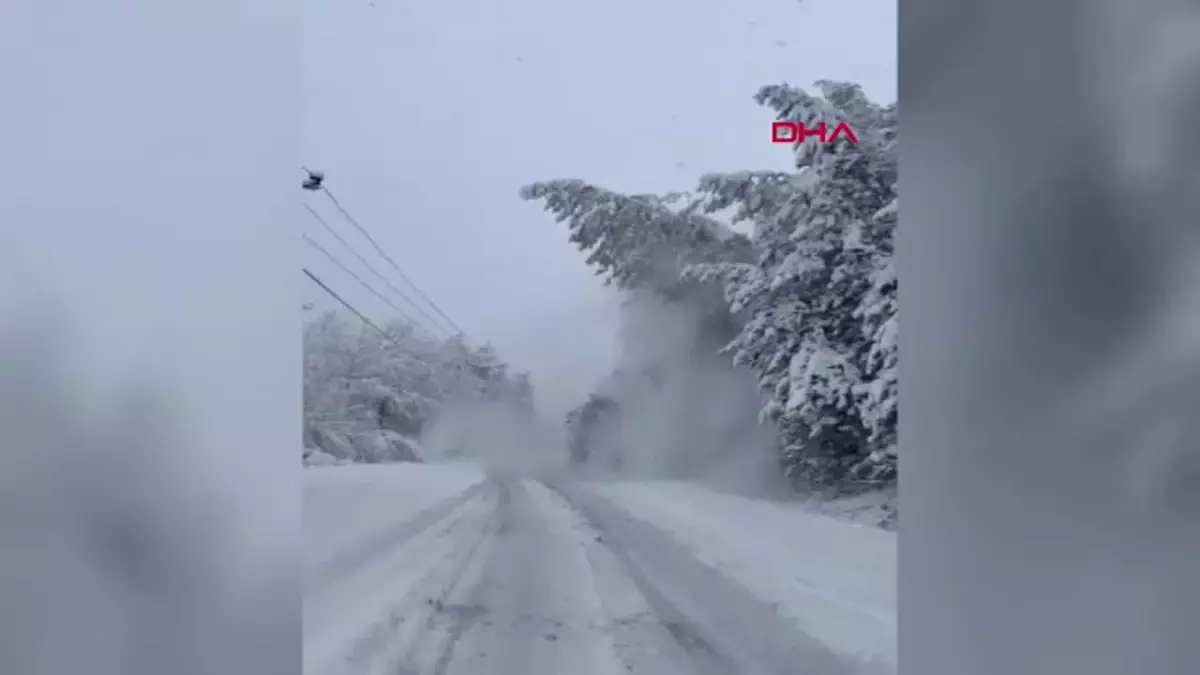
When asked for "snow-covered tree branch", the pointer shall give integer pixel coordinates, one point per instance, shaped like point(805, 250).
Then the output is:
point(811, 292)
point(369, 397)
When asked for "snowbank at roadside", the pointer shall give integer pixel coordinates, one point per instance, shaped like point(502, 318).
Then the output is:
point(345, 505)
point(877, 509)
point(835, 579)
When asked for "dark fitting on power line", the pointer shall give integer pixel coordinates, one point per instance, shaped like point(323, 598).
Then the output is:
point(313, 182)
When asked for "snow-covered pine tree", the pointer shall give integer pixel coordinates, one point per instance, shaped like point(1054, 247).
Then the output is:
point(638, 241)
point(813, 290)
point(819, 304)
point(878, 311)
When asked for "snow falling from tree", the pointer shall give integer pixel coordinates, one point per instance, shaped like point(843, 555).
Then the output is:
point(806, 303)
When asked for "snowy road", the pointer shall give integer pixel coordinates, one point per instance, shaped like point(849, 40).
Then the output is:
point(424, 570)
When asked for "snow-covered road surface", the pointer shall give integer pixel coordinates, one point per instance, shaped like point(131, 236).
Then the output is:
point(443, 570)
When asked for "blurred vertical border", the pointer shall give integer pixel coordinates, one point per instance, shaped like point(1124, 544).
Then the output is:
point(1049, 248)
point(149, 337)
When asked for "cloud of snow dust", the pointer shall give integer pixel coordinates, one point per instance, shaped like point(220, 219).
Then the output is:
point(567, 345)
point(499, 436)
point(685, 411)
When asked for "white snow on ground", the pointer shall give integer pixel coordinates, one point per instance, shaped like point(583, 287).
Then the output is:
point(417, 569)
point(343, 505)
point(873, 508)
point(836, 579)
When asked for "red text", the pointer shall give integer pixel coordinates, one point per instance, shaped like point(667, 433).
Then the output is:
point(798, 132)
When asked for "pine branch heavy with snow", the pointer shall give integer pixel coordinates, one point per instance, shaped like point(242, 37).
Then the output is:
point(822, 327)
point(812, 291)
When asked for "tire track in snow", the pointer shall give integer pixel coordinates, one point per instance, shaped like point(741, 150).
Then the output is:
point(346, 563)
point(366, 623)
point(531, 608)
point(517, 577)
point(723, 627)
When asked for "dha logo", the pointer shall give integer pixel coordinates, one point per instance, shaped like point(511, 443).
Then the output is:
point(793, 132)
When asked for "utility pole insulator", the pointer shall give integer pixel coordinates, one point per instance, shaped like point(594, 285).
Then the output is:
point(313, 182)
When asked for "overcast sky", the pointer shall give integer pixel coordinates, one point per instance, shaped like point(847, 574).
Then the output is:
point(428, 116)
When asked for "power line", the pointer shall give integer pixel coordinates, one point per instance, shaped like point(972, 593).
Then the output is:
point(465, 358)
point(364, 284)
point(314, 183)
point(388, 258)
point(345, 304)
point(369, 266)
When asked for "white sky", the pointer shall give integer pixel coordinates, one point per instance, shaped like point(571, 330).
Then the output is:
point(428, 116)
